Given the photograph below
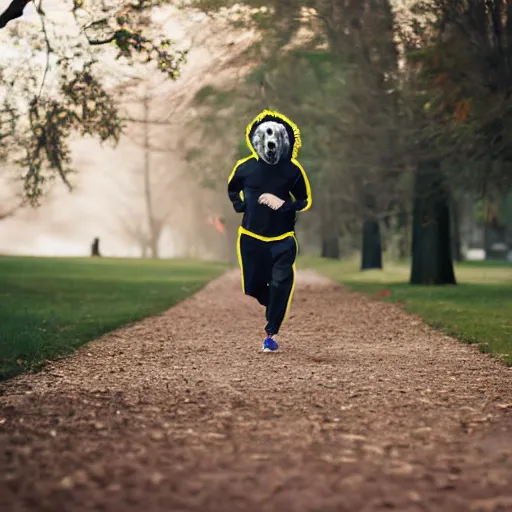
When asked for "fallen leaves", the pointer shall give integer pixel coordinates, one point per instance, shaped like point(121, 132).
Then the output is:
point(401, 468)
point(336, 460)
point(259, 456)
point(422, 432)
point(353, 437)
point(491, 504)
point(156, 478)
point(67, 483)
point(215, 435)
point(157, 435)
point(79, 477)
point(374, 450)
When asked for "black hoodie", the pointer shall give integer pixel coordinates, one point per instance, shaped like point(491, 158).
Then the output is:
point(287, 180)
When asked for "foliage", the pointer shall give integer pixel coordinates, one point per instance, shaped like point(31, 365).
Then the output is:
point(55, 84)
point(383, 91)
point(333, 70)
point(460, 83)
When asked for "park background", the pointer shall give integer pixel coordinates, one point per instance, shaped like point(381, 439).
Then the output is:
point(109, 131)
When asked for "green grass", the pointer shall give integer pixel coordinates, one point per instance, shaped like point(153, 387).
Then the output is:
point(477, 310)
point(51, 306)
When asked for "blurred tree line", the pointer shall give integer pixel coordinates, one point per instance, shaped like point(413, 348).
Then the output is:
point(403, 107)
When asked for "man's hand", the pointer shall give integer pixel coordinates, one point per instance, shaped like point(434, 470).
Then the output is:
point(271, 201)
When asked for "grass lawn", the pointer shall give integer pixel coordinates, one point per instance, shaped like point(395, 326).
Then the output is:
point(51, 306)
point(477, 310)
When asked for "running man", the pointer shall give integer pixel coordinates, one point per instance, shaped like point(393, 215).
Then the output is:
point(269, 187)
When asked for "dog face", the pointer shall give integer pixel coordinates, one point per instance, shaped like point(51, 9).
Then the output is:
point(270, 141)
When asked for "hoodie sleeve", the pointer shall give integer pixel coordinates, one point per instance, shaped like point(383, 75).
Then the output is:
point(300, 192)
point(236, 186)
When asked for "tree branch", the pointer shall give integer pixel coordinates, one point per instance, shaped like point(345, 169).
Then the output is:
point(4, 215)
point(151, 121)
point(49, 49)
point(99, 42)
point(11, 211)
point(15, 10)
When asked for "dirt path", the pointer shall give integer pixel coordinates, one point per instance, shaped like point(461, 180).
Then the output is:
point(364, 409)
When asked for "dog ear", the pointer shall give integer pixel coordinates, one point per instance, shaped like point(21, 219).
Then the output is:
point(285, 141)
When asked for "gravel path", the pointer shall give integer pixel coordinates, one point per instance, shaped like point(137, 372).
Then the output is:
point(364, 409)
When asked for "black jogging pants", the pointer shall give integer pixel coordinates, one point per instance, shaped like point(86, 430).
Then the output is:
point(268, 274)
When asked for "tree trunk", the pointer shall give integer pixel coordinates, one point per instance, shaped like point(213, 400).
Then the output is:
point(331, 247)
point(154, 235)
point(431, 239)
point(404, 228)
point(153, 246)
point(455, 226)
point(371, 253)
point(329, 227)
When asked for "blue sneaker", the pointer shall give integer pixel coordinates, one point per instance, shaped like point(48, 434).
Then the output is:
point(270, 345)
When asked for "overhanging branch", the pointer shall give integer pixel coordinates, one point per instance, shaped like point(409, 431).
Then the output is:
point(99, 42)
point(14, 11)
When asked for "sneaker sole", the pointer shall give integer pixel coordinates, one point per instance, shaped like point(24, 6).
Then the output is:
point(270, 350)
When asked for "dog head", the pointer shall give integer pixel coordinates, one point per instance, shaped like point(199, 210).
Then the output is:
point(273, 137)
point(270, 141)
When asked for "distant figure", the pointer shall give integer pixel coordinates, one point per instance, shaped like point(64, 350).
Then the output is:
point(95, 248)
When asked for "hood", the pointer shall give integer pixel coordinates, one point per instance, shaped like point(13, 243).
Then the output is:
point(291, 128)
